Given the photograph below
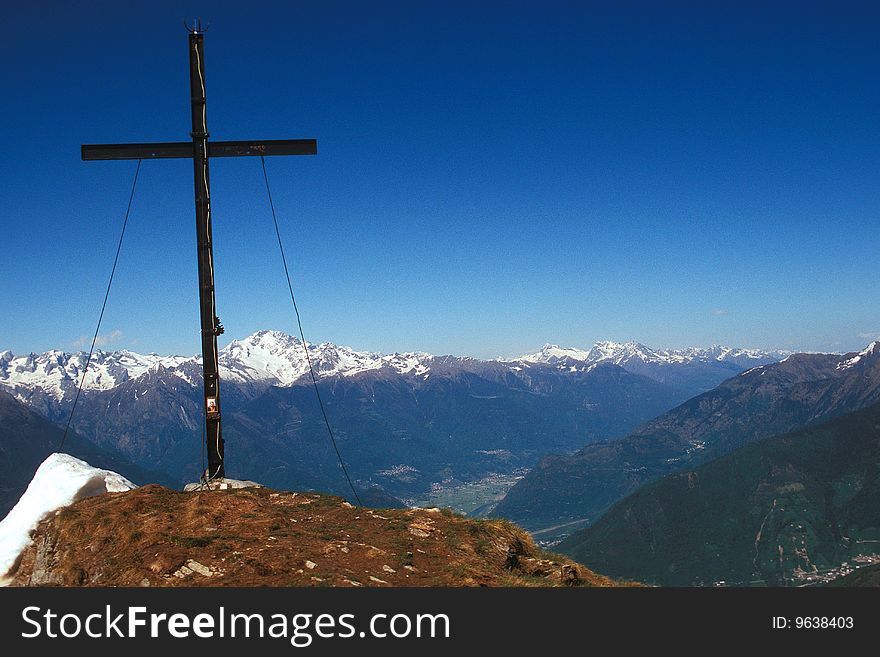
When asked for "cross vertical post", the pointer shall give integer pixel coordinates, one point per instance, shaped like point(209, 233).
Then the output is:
point(200, 150)
point(210, 323)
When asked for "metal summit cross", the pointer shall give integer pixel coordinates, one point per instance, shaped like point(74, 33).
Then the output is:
point(200, 150)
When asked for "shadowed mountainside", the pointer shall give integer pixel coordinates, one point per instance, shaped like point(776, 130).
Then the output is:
point(26, 439)
point(803, 390)
point(789, 509)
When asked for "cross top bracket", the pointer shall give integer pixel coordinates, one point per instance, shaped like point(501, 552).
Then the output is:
point(196, 27)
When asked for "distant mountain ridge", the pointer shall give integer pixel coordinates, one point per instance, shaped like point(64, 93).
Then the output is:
point(629, 352)
point(690, 371)
point(799, 391)
point(274, 358)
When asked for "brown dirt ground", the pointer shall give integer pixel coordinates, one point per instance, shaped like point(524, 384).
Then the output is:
point(153, 536)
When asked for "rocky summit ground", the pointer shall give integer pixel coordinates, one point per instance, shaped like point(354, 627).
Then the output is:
point(153, 536)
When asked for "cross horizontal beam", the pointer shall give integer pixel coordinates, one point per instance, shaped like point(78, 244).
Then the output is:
point(180, 149)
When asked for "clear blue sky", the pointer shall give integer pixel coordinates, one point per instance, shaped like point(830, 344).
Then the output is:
point(490, 178)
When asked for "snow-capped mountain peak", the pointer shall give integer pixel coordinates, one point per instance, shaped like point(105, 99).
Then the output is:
point(551, 353)
point(601, 352)
point(872, 350)
point(280, 359)
point(620, 353)
point(265, 355)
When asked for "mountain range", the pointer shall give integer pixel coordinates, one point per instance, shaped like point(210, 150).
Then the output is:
point(800, 391)
point(269, 358)
point(797, 508)
point(404, 422)
point(690, 371)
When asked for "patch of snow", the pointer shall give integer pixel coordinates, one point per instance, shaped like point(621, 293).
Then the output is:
point(752, 370)
point(59, 481)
